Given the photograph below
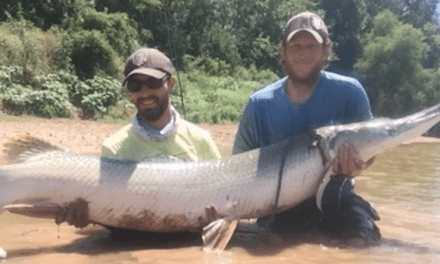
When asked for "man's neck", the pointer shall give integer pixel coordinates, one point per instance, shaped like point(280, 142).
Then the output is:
point(299, 93)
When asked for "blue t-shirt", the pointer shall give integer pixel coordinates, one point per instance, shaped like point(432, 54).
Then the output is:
point(270, 116)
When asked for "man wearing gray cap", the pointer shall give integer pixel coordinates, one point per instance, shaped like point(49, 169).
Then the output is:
point(157, 131)
point(310, 97)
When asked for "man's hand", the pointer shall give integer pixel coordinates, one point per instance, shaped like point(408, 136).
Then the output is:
point(347, 161)
point(75, 213)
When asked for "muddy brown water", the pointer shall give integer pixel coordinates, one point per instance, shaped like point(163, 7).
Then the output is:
point(403, 184)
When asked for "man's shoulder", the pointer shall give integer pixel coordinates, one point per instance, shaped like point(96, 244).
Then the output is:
point(348, 91)
point(341, 85)
point(193, 129)
point(339, 79)
point(199, 138)
point(118, 137)
point(270, 91)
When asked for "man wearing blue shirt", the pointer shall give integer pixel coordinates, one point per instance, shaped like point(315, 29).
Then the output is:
point(308, 98)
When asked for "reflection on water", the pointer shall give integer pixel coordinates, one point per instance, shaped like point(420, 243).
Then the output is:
point(403, 184)
point(407, 174)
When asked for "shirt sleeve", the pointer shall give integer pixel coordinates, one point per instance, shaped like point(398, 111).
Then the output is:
point(247, 134)
point(106, 152)
point(358, 109)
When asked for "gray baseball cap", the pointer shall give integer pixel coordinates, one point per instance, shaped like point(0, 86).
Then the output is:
point(148, 61)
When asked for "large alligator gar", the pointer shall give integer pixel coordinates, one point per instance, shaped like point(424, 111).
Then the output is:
point(173, 196)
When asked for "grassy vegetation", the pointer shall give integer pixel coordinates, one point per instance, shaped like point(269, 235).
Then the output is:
point(55, 74)
point(33, 83)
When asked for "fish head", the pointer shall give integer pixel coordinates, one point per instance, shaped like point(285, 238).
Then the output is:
point(376, 136)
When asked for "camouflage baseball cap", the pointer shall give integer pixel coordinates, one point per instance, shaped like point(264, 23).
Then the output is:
point(306, 21)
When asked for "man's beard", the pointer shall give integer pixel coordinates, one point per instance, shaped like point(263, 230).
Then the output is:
point(310, 80)
point(153, 114)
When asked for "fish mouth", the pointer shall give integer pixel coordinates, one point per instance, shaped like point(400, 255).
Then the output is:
point(416, 124)
point(386, 133)
point(378, 135)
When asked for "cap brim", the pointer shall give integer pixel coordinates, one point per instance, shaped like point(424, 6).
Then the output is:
point(314, 33)
point(147, 71)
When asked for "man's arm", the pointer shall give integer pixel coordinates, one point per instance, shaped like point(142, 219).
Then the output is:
point(358, 109)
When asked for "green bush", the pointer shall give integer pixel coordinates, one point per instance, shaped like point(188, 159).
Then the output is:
point(90, 53)
point(95, 96)
point(121, 111)
point(18, 100)
point(47, 98)
point(116, 27)
point(213, 99)
point(8, 75)
point(219, 44)
point(204, 63)
point(56, 95)
point(212, 106)
point(23, 44)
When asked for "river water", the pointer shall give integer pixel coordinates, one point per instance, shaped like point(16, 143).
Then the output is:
point(403, 184)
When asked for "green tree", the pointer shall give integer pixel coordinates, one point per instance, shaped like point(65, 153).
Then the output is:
point(90, 53)
point(432, 38)
point(345, 19)
point(146, 15)
point(218, 42)
point(194, 26)
point(254, 20)
point(43, 13)
point(391, 61)
point(116, 28)
point(416, 13)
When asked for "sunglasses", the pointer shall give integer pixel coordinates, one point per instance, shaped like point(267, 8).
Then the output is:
point(135, 86)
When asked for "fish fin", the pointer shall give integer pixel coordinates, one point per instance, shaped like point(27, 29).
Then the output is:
point(211, 214)
point(217, 234)
point(320, 193)
point(39, 210)
point(24, 147)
